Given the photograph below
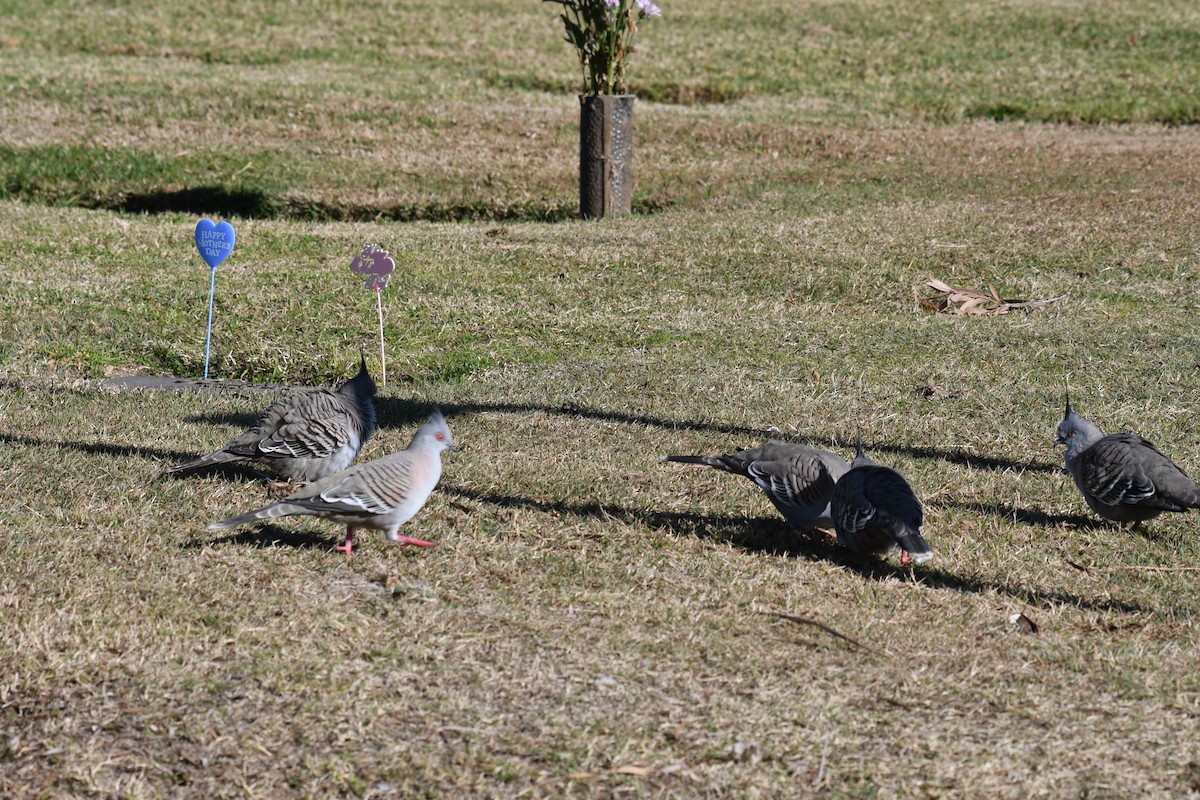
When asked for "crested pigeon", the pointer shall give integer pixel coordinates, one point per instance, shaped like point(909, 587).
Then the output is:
point(1122, 476)
point(797, 478)
point(307, 435)
point(382, 494)
point(875, 510)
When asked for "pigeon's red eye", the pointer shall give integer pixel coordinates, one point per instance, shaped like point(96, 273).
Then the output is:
point(441, 435)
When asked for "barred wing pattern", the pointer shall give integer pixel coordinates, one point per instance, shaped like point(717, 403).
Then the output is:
point(1124, 470)
point(875, 510)
point(798, 479)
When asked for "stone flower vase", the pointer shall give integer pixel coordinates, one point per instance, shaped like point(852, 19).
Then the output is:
point(605, 155)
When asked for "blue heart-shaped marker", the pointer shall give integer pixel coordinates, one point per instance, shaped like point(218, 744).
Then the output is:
point(215, 242)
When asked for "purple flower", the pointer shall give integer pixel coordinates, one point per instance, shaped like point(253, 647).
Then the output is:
point(648, 8)
point(611, 3)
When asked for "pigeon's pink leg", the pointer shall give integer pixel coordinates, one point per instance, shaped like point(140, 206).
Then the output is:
point(410, 540)
point(904, 559)
point(347, 546)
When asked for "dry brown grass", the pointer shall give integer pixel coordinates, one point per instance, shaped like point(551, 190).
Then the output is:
point(593, 623)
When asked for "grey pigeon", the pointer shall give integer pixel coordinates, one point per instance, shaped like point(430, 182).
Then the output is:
point(382, 494)
point(1122, 476)
point(876, 511)
point(306, 436)
point(797, 478)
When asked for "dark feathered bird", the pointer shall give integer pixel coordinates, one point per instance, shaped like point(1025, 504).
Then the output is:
point(798, 479)
point(1122, 476)
point(306, 436)
point(875, 510)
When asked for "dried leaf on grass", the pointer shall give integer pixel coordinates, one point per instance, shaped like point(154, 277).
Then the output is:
point(961, 302)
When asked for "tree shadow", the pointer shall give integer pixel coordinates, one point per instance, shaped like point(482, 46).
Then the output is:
point(760, 534)
point(225, 201)
point(1027, 516)
point(103, 448)
point(398, 411)
point(235, 419)
point(389, 413)
point(254, 202)
point(1076, 522)
point(772, 536)
point(1041, 597)
point(166, 458)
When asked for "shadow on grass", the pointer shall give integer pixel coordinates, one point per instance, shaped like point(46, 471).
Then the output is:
point(242, 420)
point(266, 535)
point(1028, 516)
point(396, 412)
point(1075, 523)
point(257, 203)
point(401, 413)
point(166, 458)
point(226, 201)
point(104, 449)
point(773, 537)
point(240, 472)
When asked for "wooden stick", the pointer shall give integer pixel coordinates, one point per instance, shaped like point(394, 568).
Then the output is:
point(382, 354)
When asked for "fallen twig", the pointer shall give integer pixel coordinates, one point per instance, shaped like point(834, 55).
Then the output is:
point(822, 626)
point(630, 769)
point(1143, 569)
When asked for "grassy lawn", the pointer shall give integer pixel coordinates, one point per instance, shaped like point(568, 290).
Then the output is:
point(595, 623)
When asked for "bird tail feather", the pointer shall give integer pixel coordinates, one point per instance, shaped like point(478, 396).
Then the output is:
point(272, 511)
point(212, 459)
point(686, 459)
